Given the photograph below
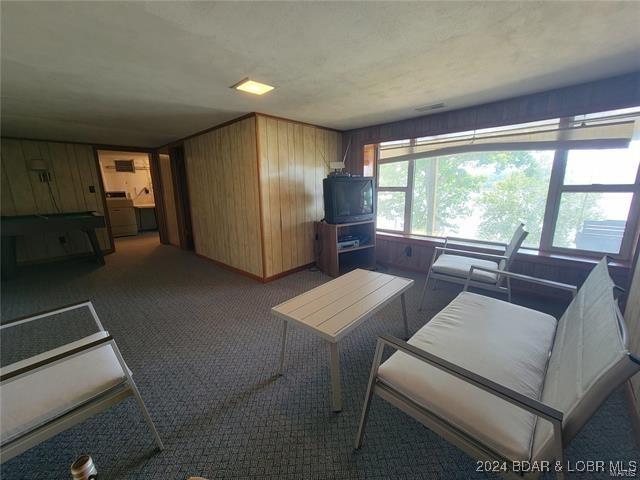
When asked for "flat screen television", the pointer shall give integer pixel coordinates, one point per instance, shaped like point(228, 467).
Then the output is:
point(348, 199)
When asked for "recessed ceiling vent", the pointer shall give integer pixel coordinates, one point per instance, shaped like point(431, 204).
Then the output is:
point(427, 108)
point(125, 166)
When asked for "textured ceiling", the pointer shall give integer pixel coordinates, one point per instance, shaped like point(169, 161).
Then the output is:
point(147, 73)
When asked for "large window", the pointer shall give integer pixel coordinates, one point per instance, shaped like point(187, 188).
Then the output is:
point(481, 195)
point(570, 195)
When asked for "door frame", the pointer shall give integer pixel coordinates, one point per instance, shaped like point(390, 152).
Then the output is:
point(181, 194)
point(158, 195)
point(114, 148)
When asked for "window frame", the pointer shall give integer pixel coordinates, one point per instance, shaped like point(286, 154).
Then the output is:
point(552, 208)
point(408, 189)
point(557, 187)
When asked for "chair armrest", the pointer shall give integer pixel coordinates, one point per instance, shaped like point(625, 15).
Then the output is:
point(38, 364)
point(515, 398)
point(470, 253)
point(525, 278)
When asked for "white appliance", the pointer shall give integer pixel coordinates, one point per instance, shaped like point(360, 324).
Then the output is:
point(122, 215)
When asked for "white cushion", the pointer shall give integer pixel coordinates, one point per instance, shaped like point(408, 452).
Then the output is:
point(506, 343)
point(38, 397)
point(589, 359)
point(458, 266)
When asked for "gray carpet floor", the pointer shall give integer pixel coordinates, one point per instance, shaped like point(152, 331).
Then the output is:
point(204, 348)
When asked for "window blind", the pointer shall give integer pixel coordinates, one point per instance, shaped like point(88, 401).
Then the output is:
point(592, 134)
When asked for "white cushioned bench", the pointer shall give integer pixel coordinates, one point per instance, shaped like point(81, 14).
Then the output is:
point(506, 382)
point(52, 391)
point(471, 332)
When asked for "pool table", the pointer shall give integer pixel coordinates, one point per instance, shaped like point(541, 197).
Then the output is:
point(14, 226)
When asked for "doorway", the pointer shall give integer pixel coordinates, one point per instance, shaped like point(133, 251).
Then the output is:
point(177, 229)
point(183, 208)
point(130, 194)
point(168, 198)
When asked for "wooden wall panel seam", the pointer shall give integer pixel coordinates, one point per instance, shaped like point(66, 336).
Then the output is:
point(263, 181)
point(260, 203)
point(274, 196)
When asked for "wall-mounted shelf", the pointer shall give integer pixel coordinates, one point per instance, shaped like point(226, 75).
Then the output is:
point(334, 261)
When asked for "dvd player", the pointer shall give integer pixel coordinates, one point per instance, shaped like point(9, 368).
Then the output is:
point(348, 244)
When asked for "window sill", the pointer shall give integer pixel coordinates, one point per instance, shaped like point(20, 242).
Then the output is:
point(526, 254)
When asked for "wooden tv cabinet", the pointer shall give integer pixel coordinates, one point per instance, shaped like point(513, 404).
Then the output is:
point(333, 261)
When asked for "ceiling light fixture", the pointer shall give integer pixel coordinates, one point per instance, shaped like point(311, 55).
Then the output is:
point(251, 86)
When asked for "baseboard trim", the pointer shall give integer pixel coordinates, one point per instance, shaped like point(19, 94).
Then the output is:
point(288, 272)
point(251, 275)
point(230, 268)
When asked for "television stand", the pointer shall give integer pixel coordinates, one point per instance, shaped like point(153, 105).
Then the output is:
point(335, 261)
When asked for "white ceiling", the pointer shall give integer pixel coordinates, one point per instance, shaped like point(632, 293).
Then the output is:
point(143, 74)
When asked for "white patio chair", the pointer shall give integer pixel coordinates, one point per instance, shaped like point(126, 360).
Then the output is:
point(48, 393)
point(453, 264)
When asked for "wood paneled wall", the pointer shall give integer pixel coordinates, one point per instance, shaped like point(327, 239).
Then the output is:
point(255, 189)
point(607, 94)
point(73, 171)
point(222, 174)
point(169, 199)
point(293, 159)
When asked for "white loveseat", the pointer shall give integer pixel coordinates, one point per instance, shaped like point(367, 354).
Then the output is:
point(504, 382)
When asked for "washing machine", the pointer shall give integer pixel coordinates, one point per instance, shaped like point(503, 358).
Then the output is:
point(122, 215)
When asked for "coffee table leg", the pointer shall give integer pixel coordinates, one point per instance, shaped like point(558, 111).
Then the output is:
point(336, 393)
point(404, 317)
point(284, 345)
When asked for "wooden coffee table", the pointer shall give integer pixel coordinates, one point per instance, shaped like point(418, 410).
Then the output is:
point(332, 310)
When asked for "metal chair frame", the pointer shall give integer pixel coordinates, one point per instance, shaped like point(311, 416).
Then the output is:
point(82, 411)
